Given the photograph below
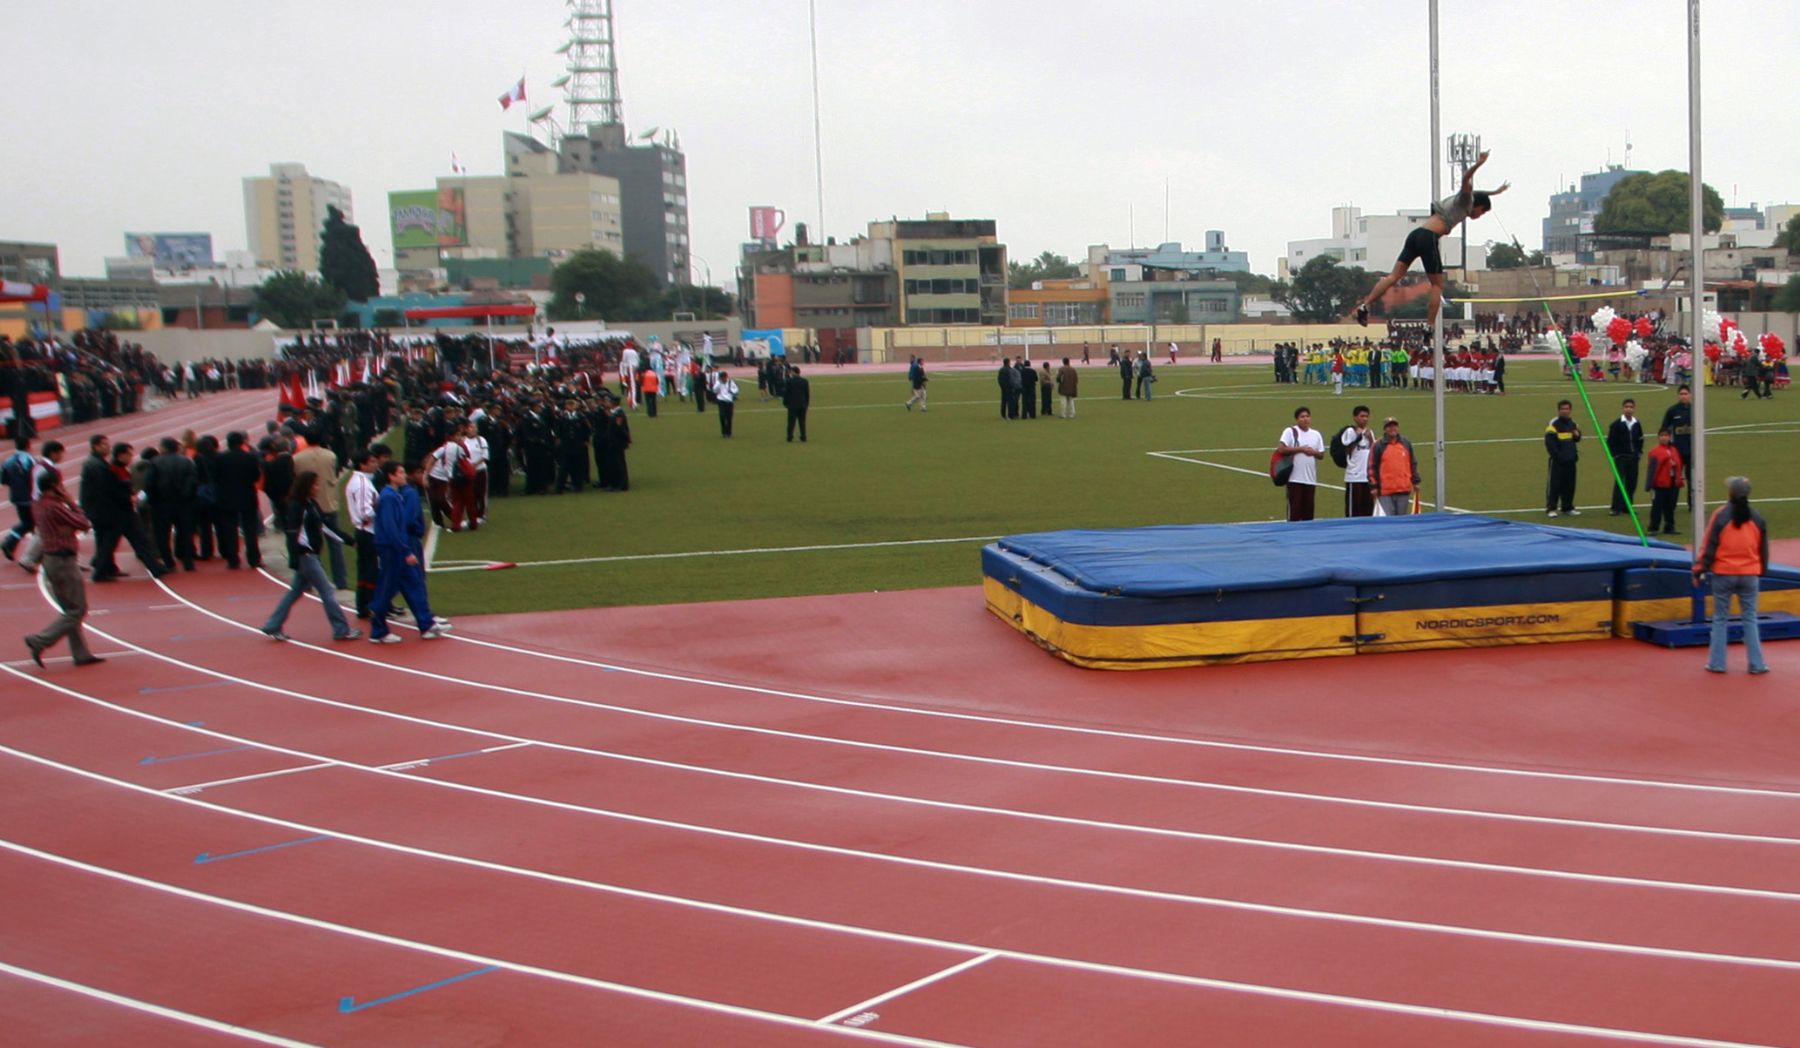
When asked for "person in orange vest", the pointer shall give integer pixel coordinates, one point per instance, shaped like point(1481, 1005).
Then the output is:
point(1736, 551)
point(1394, 471)
point(649, 387)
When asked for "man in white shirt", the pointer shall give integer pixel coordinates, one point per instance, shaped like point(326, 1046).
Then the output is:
point(725, 391)
point(1306, 446)
point(1355, 440)
point(628, 369)
point(478, 454)
point(359, 502)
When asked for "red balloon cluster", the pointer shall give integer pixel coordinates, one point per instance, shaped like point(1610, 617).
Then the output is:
point(1772, 346)
point(1618, 330)
point(1579, 345)
point(1644, 328)
point(1712, 352)
point(1739, 344)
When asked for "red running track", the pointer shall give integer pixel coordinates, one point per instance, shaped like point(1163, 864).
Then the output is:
point(920, 831)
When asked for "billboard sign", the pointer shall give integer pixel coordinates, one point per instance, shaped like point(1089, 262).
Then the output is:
point(765, 343)
point(428, 218)
point(171, 250)
point(766, 223)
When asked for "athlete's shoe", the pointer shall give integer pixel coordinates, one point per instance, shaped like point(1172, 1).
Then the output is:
point(1362, 315)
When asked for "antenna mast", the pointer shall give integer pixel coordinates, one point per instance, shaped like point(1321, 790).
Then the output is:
point(592, 84)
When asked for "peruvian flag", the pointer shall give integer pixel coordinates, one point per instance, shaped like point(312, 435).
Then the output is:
point(515, 94)
point(16, 291)
point(291, 393)
point(342, 376)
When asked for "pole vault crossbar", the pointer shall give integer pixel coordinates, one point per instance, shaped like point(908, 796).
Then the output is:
point(1636, 293)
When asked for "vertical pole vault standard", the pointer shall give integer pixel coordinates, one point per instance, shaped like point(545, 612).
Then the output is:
point(1437, 326)
point(1697, 269)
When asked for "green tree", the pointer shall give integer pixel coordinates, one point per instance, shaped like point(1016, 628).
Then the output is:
point(344, 262)
point(1505, 256)
point(1047, 266)
point(1323, 290)
point(1657, 203)
point(611, 287)
point(294, 300)
point(1790, 236)
point(1787, 300)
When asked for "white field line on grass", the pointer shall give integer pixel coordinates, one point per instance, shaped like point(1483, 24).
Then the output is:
point(1174, 456)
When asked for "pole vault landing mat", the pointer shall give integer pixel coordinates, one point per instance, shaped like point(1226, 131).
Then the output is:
point(1184, 595)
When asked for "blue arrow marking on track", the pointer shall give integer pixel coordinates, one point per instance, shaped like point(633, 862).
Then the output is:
point(191, 756)
point(347, 1005)
point(206, 857)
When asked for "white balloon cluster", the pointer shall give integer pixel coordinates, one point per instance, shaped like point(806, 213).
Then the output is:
point(1635, 353)
point(1603, 318)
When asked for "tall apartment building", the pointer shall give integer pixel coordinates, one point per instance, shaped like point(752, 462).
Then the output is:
point(1572, 213)
point(284, 214)
point(653, 193)
point(950, 271)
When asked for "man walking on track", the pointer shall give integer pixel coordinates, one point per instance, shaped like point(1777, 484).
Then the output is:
point(59, 524)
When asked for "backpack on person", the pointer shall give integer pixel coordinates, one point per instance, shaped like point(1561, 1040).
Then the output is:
point(1340, 451)
point(17, 476)
point(1281, 467)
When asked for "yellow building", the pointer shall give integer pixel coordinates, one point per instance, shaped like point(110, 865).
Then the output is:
point(284, 215)
point(950, 271)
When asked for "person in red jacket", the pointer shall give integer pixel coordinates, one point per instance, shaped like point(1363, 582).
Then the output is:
point(649, 386)
point(1736, 551)
point(1665, 477)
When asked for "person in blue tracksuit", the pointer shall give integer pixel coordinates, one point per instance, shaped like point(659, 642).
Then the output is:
point(400, 552)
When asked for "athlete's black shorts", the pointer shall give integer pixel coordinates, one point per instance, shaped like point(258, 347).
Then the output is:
point(1422, 243)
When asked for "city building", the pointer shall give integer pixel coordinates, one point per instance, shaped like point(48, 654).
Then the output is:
point(1147, 294)
point(1572, 212)
point(1059, 303)
point(1373, 242)
point(237, 269)
point(950, 271)
point(832, 288)
point(1217, 258)
point(533, 211)
point(284, 215)
point(652, 188)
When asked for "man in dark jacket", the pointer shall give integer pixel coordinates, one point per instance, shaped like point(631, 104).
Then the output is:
point(174, 482)
point(239, 470)
point(1027, 389)
point(108, 501)
point(1127, 371)
point(1561, 438)
point(1625, 442)
point(797, 396)
point(1008, 378)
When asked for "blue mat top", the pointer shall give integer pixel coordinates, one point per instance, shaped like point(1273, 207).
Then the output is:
point(1183, 560)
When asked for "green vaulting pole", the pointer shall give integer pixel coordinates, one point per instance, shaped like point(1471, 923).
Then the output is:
point(1581, 388)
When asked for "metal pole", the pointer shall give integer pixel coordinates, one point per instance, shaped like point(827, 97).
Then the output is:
point(1437, 327)
point(1697, 269)
point(812, 19)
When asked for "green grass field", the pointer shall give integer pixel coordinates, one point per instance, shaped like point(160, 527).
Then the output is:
point(932, 486)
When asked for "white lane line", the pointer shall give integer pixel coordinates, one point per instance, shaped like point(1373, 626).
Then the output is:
point(587, 982)
point(448, 566)
point(926, 802)
point(1014, 722)
point(424, 762)
point(939, 866)
point(1278, 992)
point(151, 1009)
point(199, 786)
point(862, 1006)
point(982, 760)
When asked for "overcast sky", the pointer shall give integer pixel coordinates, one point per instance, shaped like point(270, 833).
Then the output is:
point(1059, 119)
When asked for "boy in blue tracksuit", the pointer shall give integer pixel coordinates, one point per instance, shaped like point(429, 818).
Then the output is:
point(400, 552)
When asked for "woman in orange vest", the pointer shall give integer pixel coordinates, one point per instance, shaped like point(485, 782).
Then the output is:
point(649, 387)
point(1736, 551)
